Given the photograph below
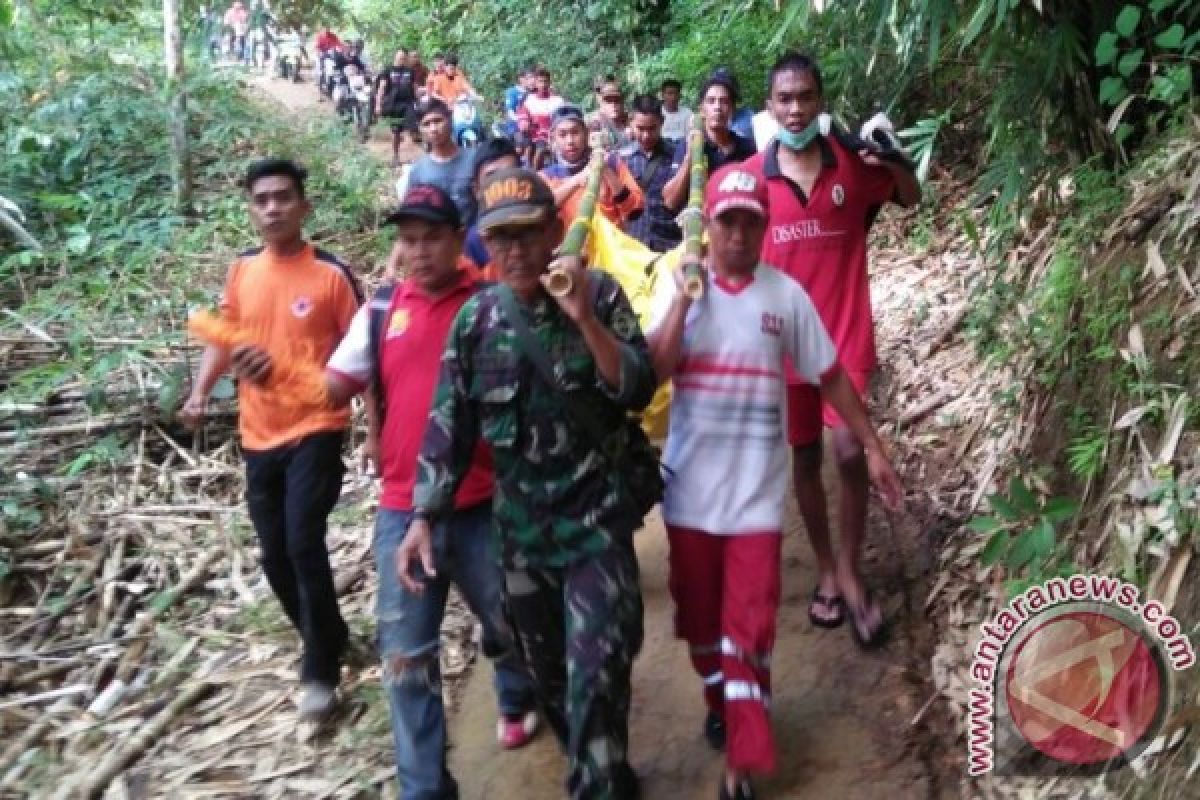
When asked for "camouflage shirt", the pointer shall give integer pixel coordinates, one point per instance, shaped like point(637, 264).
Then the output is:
point(555, 499)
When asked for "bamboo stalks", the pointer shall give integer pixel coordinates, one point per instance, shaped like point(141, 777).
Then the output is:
point(558, 282)
point(94, 783)
point(104, 609)
point(29, 739)
point(692, 218)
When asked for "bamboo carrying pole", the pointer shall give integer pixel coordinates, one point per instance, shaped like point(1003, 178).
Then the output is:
point(558, 282)
point(692, 218)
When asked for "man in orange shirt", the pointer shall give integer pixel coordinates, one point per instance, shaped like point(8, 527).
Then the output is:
point(449, 82)
point(297, 302)
point(620, 197)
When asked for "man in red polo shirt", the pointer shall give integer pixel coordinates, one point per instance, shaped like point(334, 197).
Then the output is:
point(406, 329)
point(824, 195)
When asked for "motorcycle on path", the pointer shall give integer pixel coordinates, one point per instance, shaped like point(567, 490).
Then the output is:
point(352, 101)
point(466, 125)
point(327, 76)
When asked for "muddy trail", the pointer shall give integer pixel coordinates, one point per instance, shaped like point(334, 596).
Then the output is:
point(849, 723)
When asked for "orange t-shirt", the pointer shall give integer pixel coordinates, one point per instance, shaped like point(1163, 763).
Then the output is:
point(447, 88)
point(606, 202)
point(298, 307)
point(487, 273)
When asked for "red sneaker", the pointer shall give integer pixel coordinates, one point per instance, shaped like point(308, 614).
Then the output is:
point(516, 730)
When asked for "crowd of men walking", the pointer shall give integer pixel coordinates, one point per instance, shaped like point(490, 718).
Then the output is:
point(499, 413)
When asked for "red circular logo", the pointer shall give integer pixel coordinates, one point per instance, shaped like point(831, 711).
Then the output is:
point(1083, 688)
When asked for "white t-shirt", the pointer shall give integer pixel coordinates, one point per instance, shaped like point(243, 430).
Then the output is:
point(765, 127)
point(726, 445)
point(675, 123)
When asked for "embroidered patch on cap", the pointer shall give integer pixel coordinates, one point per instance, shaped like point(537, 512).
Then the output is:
point(509, 190)
point(738, 181)
point(425, 195)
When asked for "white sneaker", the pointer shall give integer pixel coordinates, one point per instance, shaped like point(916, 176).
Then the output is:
point(316, 700)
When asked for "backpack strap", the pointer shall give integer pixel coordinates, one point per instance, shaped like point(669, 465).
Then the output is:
point(377, 311)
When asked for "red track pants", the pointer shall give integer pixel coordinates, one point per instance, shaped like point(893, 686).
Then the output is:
point(726, 591)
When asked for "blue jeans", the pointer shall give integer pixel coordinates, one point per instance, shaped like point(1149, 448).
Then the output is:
point(409, 629)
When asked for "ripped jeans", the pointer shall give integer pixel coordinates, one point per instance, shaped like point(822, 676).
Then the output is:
point(409, 626)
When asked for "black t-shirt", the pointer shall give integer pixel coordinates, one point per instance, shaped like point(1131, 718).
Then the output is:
point(743, 148)
point(399, 86)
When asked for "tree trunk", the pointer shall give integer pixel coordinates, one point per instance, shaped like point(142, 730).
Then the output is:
point(181, 162)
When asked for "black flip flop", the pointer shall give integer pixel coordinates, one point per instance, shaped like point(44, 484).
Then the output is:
point(872, 639)
point(836, 604)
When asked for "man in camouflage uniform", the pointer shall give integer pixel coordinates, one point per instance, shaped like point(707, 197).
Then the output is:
point(564, 520)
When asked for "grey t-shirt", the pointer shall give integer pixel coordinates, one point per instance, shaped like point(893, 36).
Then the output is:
point(453, 177)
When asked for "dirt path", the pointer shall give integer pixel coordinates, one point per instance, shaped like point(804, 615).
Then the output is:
point(303, 97)
point(843, 718)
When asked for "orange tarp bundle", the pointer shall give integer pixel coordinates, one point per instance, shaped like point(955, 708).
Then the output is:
point(296, 381)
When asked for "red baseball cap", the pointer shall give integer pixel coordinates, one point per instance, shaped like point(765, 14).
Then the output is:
point(734, 186)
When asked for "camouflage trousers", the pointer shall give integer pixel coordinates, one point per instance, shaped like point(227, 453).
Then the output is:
point(578, 629)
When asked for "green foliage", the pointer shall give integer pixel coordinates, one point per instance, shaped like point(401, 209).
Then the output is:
point(1085, 453)
point(496, 37)
point(307, 13)
point(1070, 309)
point(1179, 500)
point(921, 139)
point(1018, 87)
point(1148, 56)
point(1023, 534)
point(86, 161)
point(26, 502)
point(106, 451)
point(264, 617)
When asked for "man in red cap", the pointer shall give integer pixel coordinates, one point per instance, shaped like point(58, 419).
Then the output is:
point(727, 460)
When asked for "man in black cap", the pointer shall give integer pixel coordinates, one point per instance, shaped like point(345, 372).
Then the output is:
point(547, 381)
point(395, 342)
point(722, 145)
